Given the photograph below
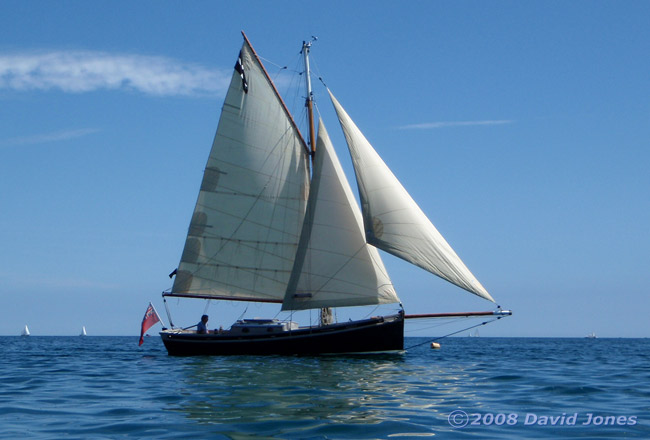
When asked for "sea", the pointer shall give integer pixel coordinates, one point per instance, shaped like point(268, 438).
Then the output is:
point(470, 388)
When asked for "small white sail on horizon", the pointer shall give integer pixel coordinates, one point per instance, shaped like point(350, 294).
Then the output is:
point(25, 332)
point(83, 331)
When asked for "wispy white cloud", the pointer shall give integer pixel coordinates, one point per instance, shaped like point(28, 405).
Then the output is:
point(48, 137)
point(443, 124)
point(85, 71)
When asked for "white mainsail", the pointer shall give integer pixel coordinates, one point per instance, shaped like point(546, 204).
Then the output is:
point(335, 267)
point(25, 332)
point(393, 221)
point(248, 217)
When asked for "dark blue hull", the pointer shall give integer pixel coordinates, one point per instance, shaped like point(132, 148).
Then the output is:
point(379, 334)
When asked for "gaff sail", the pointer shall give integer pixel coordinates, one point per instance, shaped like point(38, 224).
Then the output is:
point(245, 228)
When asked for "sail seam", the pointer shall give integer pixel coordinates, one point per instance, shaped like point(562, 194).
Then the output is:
point(242, 241)
point(246, 268)
point(241, 194)
point(260, 197)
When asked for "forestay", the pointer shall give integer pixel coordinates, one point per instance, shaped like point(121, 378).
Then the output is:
point(393, 221)
point(247, 221)
point(335, 267)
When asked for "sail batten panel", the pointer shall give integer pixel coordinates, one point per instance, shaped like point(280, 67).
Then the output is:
point(334, 265)
point(248, 217)
point(393, 222)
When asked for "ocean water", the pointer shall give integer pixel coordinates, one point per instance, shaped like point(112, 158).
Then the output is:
point(509, 388)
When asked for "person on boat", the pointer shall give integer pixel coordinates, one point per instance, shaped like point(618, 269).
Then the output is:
point(202, 326)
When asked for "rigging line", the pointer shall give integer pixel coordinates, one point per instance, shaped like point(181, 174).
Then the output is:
point(297, 80)
point(317, 110)
point(266, 60)
point(278, 73)
point(316, 69)
point(207, 305)
point(281, 68)
point(289, 319)
point(453, 333)
point(442, 324)
point(292, 86)
point(243, 313)
point(372, 311)
point(292, 89)
point(171, 324)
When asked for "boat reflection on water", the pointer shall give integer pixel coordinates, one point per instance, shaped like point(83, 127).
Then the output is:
point(313, 396)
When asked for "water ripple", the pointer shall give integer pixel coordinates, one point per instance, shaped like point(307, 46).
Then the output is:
point(97, 387)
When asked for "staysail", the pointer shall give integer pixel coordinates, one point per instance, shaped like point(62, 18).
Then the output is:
point(249, 214)
point(393, 221)
point(335, 267)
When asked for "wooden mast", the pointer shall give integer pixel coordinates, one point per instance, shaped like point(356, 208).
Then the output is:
point(306, 46)
point(325, 312)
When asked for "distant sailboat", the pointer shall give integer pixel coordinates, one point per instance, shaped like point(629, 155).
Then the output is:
point(83, 331)
point(266, 228)
point(25, 331)
point(591, 335)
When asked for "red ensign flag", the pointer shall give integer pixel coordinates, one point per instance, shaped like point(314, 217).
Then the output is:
point(150, 318)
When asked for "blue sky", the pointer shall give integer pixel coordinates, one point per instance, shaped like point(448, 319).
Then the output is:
point(521, 128)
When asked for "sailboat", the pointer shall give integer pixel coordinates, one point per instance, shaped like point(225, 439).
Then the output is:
point(83, 331)
point(276, 221)
point(25, 332)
